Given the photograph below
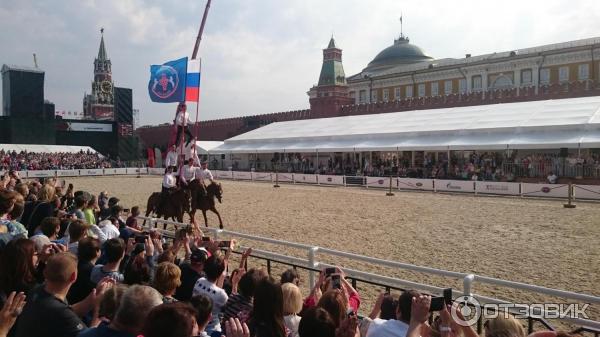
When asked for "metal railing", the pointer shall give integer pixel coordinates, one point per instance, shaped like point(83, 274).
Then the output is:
point(313, 266)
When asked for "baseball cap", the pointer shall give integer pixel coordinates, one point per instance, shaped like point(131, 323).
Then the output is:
point(199, 255)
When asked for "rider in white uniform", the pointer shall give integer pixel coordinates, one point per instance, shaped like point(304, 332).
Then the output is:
point(204, 173)
point(171, 159)
point(189, 172)
point(169, 184)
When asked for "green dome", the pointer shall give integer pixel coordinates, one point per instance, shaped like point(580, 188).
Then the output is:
point(401, 52)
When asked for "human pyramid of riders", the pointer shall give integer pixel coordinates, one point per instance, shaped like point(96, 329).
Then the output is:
point(183, 173)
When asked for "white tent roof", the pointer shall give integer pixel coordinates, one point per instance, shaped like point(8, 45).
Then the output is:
point(45, 148)
point(205, 147)
point(569, 122)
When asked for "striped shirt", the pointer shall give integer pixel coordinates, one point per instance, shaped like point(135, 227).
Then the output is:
point(238, 306)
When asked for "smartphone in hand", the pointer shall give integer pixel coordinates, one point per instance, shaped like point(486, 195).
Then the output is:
point(336, 282)
point(224, 244)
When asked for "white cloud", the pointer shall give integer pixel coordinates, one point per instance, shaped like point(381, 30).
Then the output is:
point(262, 56)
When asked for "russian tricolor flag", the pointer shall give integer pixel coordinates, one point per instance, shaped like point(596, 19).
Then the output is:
point(192, 86)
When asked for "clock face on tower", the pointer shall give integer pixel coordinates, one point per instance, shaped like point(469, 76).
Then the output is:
point(106, 86)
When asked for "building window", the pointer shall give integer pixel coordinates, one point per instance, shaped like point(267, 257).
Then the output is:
point(373, 96)
point(583, 72)
point(526, 77)
point(409, 91)
point(421, 90)
point(462, 85)
point(352, 94)
point(476, 85)
point(448, 87)
point(397, 94)
point(386, 95)
point(544, 76)
point(362, 96)
point(435, 89)
point(563, 74)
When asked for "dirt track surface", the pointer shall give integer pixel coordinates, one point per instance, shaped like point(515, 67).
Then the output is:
point(525, 240)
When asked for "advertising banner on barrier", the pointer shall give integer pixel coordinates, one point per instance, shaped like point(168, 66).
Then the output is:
point(545, 190)
point(492, 187)
point(284, 177)
point(415, 184)
point(40, 174)
point(330, 180)
point(132, 170)
point(305, 178)
point(67, 173)
point(120, 170)
point(454, 186)
point(586, 192)
point(383, 182)
point(109, 172)
point(224, 174)
point(144, 170)
point(242, 175)
point(91, 172)
point(158, 171)
point(261, 176)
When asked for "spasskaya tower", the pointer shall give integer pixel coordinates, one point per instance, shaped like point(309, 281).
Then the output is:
point(99, 105)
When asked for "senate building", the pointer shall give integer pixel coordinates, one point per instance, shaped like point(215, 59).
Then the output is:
point(404, 77)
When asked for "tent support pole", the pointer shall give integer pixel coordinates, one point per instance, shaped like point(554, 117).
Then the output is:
point(448, 162)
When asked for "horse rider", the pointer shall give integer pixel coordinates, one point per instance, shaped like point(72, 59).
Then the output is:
point(169, 185)
point(171, 159)
point(204, 173)
point(182, 119)
point(189, 173)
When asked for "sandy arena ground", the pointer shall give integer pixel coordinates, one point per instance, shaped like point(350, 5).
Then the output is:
point(526, 240)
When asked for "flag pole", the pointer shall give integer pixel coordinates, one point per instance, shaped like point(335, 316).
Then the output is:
point(199, 37)
point(197, 109)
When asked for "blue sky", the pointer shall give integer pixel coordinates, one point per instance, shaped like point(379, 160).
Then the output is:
point(262, 56)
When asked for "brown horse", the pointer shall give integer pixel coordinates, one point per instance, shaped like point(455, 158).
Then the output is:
point(207, 202)
point(175, 206)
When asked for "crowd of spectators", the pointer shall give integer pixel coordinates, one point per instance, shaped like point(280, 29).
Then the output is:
point(75, 264)
point(21, 161)
point(470, 165)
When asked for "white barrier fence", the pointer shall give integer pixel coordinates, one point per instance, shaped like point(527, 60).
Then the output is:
point(469, 280)
point(588, 192)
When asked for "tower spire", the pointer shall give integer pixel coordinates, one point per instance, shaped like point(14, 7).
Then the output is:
point(331, 42)
point(102, 56)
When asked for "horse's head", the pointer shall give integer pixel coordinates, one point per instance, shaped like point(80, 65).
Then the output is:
point(215, 189)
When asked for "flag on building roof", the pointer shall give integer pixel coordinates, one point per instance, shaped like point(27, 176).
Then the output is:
point(168, 81)
point(192, 89)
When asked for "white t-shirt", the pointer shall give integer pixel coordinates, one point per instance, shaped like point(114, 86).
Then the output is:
point(111, 231)
point(169, 180)
point(219, 298)
point(171, 159)
point(189, 173)
point(204, 174)
point(182, 118)
point(387, 328)
point(292, 322)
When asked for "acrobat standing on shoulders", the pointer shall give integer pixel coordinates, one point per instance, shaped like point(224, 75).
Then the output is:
point(182, 120)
